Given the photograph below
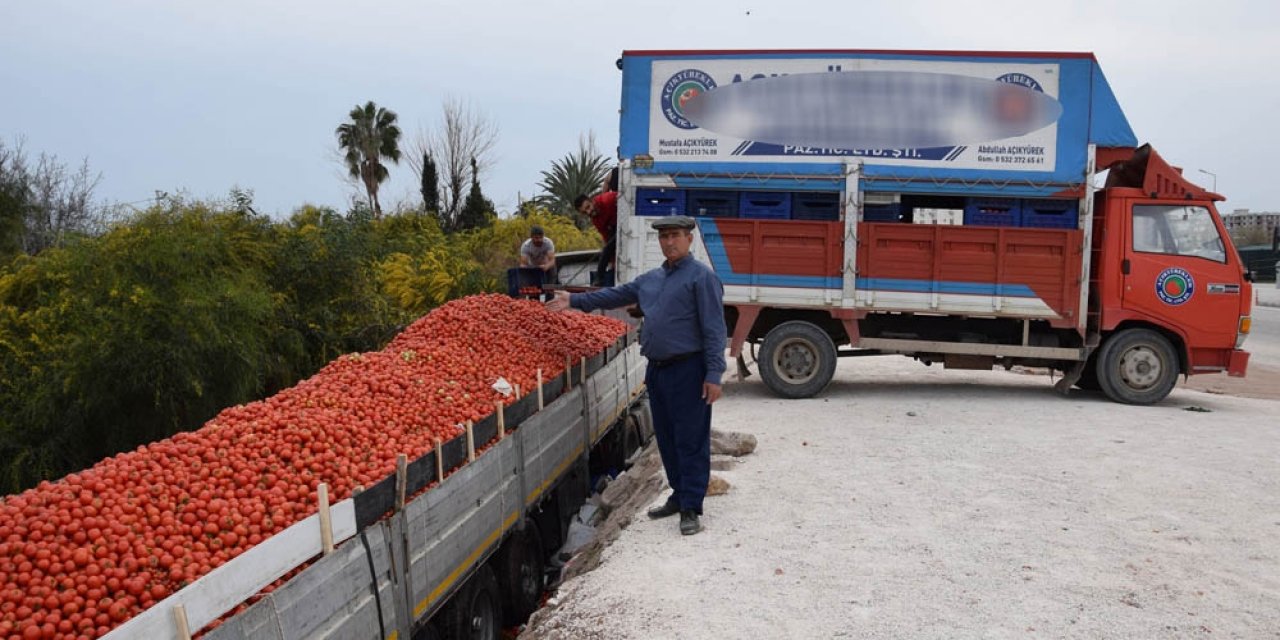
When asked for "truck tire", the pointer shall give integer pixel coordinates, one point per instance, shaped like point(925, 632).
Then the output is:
point(632, 439)
point(475, 611)
point(797, 359)
point(644, 419)
point(428, 631)
point(520, 564)
point(1089, 375)
point(1137, 366)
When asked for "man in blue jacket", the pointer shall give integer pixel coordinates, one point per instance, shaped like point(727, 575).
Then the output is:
point(684, 339)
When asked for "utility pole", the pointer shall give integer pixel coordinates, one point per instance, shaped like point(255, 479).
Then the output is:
point(1211, 175)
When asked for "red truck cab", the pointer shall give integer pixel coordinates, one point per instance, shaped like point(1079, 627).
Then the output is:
point(1168, 275)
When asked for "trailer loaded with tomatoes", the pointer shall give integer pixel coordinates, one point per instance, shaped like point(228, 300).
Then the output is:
point(409, 492)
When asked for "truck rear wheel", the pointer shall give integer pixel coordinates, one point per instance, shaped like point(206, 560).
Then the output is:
point(797, 359)
point(1137, 366)
point(475, 612)
point(521, 563)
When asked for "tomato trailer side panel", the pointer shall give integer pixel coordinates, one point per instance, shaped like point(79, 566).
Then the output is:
point(453, 527)
point(607, 396)
point(332, 598)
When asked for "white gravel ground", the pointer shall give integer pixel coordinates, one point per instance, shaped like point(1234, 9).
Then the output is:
point(909, 502)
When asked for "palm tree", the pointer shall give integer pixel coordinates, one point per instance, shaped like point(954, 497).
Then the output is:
point(579, 173)
point(371, 136)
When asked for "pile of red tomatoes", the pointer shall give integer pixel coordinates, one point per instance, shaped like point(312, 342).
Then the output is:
point(83, 554)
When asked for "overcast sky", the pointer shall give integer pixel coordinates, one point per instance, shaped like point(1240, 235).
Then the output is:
point(204, 96)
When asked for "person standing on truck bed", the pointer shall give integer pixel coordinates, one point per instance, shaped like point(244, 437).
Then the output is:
point(539, 251)
point(603, 211)
point(684, 339)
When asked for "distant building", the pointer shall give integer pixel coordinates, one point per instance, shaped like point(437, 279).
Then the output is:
point(1242, 220)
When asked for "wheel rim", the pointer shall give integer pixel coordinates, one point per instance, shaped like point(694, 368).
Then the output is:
point(482, 618)
point(1141, 367)
point(796, 360)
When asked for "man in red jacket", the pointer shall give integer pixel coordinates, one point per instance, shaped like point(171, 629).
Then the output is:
point(603, 211)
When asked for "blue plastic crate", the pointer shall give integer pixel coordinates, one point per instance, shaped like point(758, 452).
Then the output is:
point(712, 204)
point(660, 202)
point(1051, 214)
point(522, 277)
point(992, 212)
point(882, 212)
point(765, 205)
point(815, 205)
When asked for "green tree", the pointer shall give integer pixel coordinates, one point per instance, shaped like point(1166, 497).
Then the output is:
point(14, 203)
point(578, 173)
point(430, 184)
point(119, 340)
point(42, 202)
point(172, 314)
point(371, 136)
point(477, 210)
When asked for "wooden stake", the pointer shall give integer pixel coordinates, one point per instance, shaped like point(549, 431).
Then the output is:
point(326, 519)
point(583, 372)
point(471, 443)
point(439, 462)
point(568, 373)
point(180, 618)
point(517, 392)
point(402, 479)
point(539, 389)
point(502, 423)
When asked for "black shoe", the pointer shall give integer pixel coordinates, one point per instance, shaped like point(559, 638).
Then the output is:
point(689, 524)
point(668, 508)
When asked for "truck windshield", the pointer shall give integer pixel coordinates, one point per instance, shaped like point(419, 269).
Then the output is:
point(1177, 230)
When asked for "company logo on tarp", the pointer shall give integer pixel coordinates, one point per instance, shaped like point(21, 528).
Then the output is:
point(1175, 286)
point(1021, 79)
point(679, 90)
point(1013, 106)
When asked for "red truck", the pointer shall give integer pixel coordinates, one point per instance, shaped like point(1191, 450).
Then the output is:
point(938, 205)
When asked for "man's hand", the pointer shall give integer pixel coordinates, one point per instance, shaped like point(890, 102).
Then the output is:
point(710, 392)
point(560, 302)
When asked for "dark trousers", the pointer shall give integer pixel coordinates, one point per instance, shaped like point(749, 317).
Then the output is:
point(607, 255)
point(682, 426)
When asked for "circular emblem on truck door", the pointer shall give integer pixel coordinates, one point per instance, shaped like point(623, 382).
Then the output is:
point(1175, 286)
point(680, 89)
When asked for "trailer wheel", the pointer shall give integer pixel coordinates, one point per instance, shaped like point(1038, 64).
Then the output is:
point(475, 612)
point(1137, 366)
point(632, 439)
point(797, 359)
point(429, 631)
point(644, 419)
point(521, 564)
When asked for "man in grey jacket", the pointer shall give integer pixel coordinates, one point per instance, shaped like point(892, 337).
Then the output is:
point(683, 339)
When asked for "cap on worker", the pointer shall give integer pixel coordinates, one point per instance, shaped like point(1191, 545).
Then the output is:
point(674, 222)
point(535, 230)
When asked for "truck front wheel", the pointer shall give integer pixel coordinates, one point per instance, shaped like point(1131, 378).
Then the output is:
point(1137, 366)
point(797, 359)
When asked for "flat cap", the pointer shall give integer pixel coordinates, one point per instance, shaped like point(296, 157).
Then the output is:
point(674, 222)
